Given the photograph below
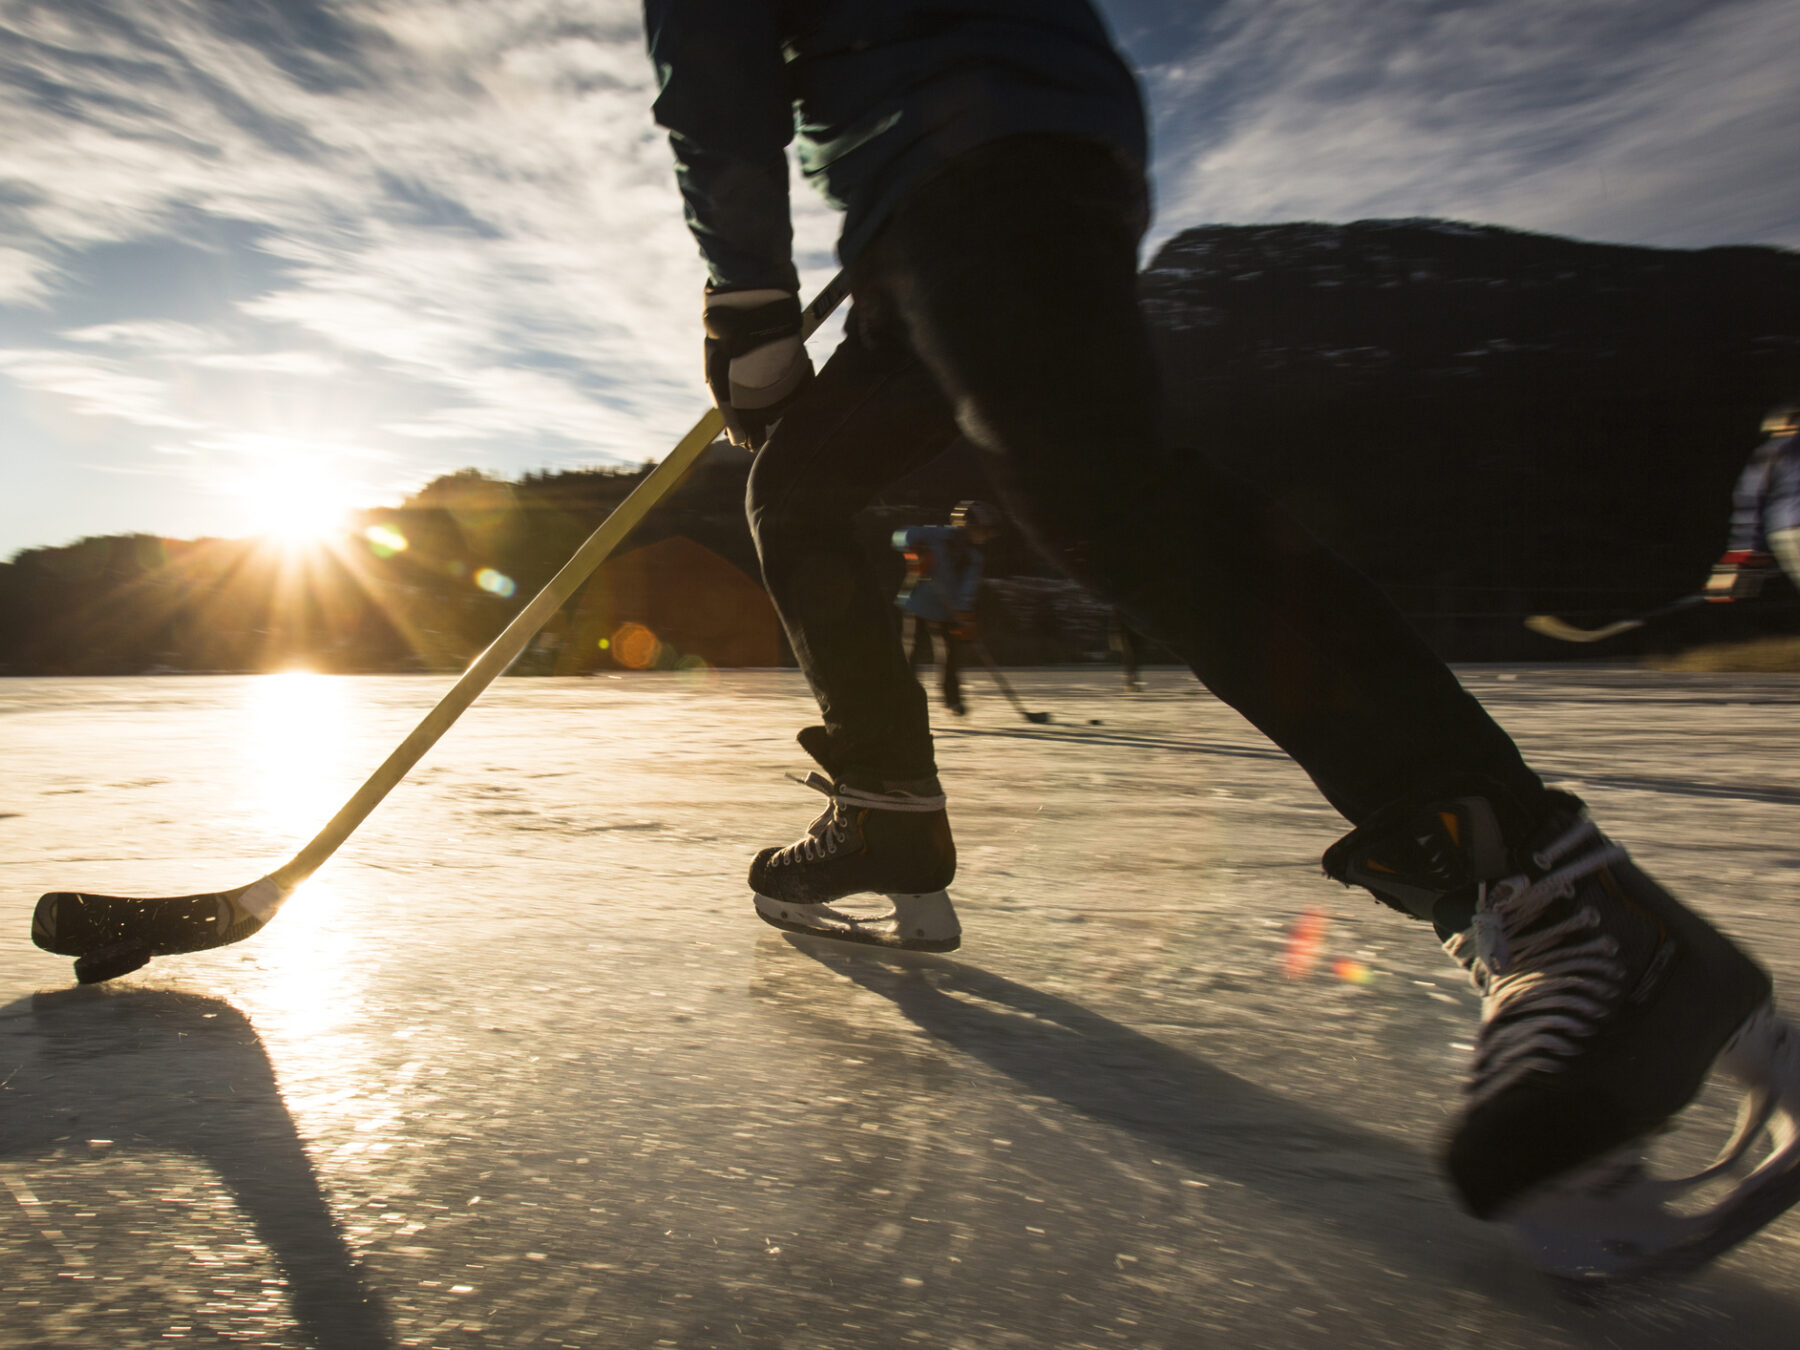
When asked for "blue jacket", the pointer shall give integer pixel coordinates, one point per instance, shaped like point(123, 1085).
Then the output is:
point(1767, 496)
point(876, 92)
point(947, 576)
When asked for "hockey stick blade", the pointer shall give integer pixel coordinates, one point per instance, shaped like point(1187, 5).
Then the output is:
point(1037, 718)
point(111, 935)
point(1564, 631)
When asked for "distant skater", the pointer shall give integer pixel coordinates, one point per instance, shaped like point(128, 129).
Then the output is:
point(943, 578)
point(989, 158)
point(1765, 514)
point(1129, 644)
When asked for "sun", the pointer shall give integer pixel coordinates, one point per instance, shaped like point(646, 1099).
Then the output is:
point(294, 499)
point(300, 518)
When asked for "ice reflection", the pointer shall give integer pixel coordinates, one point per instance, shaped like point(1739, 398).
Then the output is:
point(309, 988)
point(307, 997)
point(295, 749)
point(311, 1000)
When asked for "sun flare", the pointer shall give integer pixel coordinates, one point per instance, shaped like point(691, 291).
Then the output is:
point(297, 509)
point(294, 495)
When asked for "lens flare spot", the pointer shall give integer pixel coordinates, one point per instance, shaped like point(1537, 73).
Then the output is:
point(696, 673)
point(1350, 971)
point(605, 644)
point(636, 646)
point(496, 583)
point(1305, 940)
point(384, 540)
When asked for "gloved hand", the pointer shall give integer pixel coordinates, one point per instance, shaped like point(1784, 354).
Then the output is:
point(756, 364)
point(964, 627)
point(1738, 575)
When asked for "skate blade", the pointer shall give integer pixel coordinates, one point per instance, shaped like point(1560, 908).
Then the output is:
point(1615, 1220)
point(914, 923)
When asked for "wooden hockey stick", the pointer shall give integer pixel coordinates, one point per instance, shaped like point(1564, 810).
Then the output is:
point(1005, 688)
point(111, 935)
point(1563, 631)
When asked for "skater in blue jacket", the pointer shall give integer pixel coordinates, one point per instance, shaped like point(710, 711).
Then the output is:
point(989, 159)
point(943, 578)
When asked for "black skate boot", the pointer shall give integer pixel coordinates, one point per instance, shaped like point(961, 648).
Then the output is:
point(884, 838)
point(1605, 1005)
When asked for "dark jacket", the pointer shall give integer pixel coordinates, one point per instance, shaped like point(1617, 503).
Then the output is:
point(876, 92)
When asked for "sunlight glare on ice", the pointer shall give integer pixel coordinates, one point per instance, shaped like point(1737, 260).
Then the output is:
point(295, 750)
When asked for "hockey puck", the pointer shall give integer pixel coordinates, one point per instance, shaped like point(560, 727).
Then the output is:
point(1095, 722)
point(108, 963)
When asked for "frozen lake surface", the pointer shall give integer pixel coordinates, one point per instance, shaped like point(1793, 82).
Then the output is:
point(521, 1068)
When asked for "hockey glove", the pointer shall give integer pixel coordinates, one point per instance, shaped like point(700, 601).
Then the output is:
point(756, 364)
point(1738, 575)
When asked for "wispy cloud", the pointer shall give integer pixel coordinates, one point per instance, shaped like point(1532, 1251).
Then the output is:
point(445, 232)
point(95, 386)
point(1661, 121)
point(467, 202)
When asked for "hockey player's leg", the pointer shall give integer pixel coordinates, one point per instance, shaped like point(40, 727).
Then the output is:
point(918, 642)
point(1607, 1000)
point(867, 419)
point(1785, 545)
point(1014, 277)
point(883, 837)
point(1606, 1004)
point(951, 676)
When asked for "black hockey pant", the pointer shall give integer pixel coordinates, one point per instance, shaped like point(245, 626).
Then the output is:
point(999, 302)
point(919, 654)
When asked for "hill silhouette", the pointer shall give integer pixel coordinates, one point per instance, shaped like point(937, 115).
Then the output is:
point(1490, 423)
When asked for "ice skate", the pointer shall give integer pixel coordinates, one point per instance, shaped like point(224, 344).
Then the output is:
point(1605, 1006)
point(893, 843)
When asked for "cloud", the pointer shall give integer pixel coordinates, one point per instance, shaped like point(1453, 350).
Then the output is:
point(466, 200)
point(275, 363)
point(95, 386)
point(1663, 121)
point(447, 231)
point(25, 278)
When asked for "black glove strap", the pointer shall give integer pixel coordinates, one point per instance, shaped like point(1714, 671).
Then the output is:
point(745, 329)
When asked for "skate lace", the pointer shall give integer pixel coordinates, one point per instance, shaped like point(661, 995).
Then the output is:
point(826, 835)
point(1546, 980)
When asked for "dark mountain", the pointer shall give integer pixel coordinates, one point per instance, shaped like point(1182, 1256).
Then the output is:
point(1488, 422)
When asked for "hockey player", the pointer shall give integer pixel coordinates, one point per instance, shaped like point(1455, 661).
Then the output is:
point(1129, 644)
point(989, 157)
point(943, 577)
point(1765, 513)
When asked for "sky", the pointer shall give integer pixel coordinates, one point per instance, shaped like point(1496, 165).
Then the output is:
point(260, 258)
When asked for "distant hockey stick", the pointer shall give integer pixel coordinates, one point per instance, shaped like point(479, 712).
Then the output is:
point(986, 660)
point(111, 935)
point(1563, 631)
point(1005, 688)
